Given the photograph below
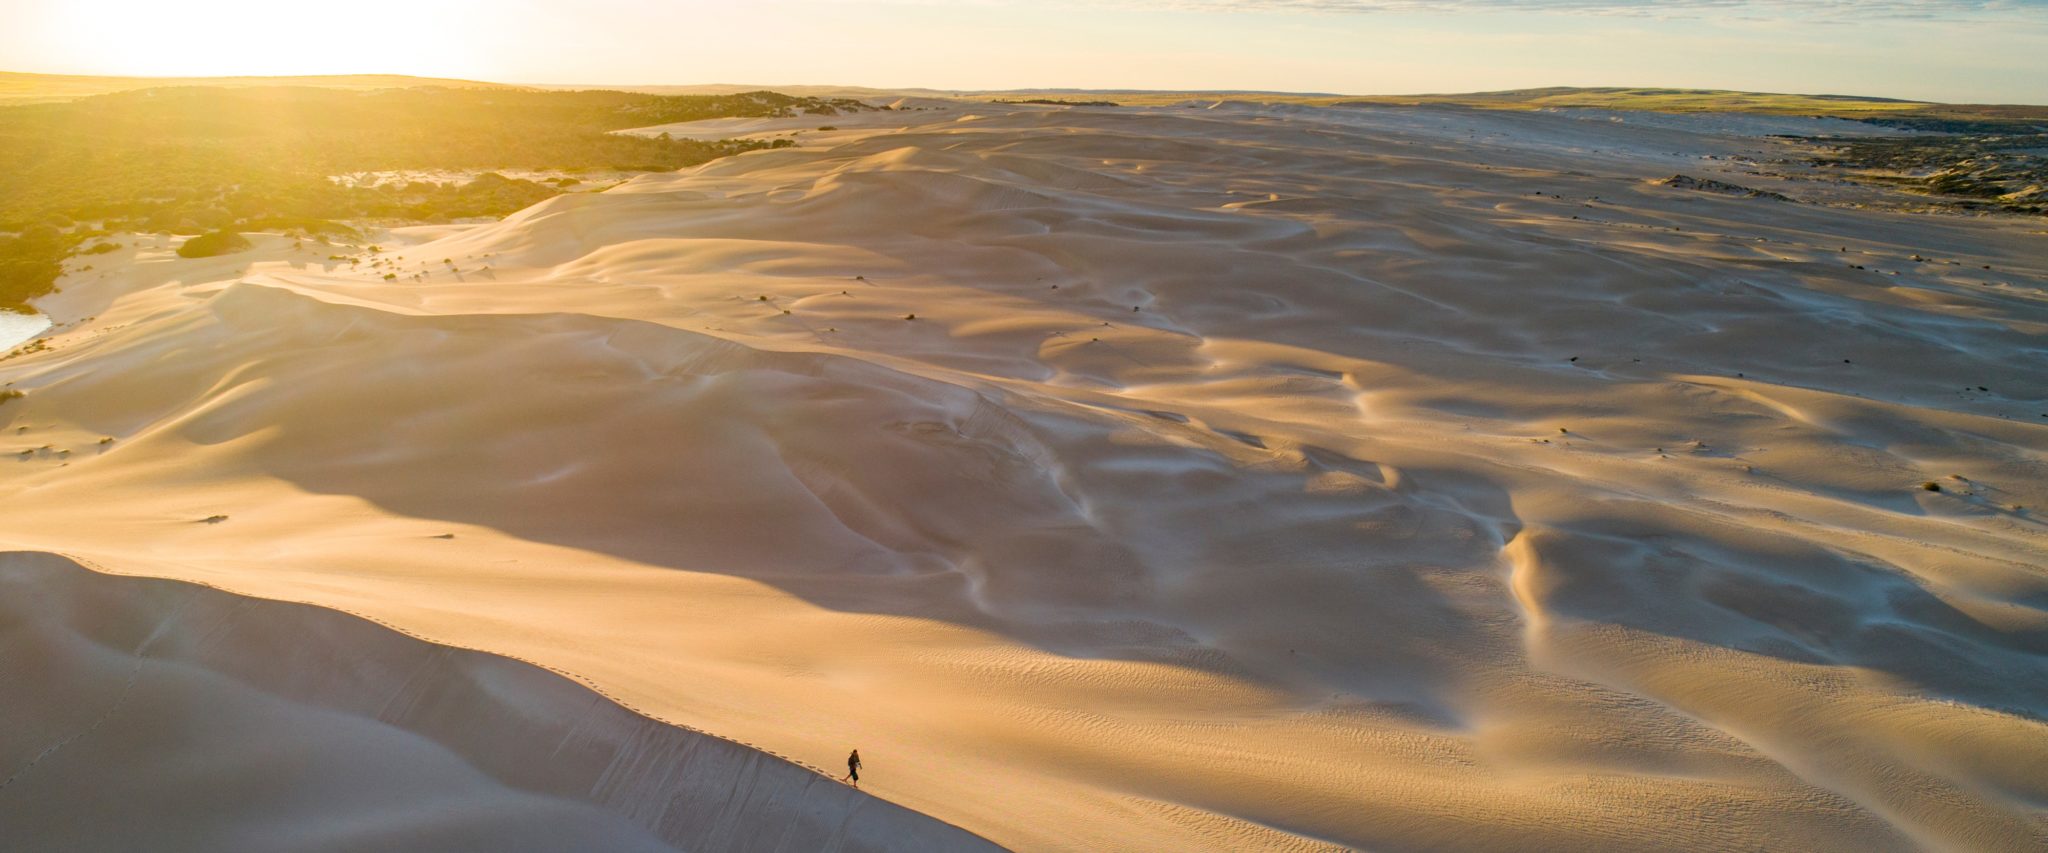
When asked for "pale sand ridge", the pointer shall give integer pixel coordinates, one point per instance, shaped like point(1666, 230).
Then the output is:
point(220, 723)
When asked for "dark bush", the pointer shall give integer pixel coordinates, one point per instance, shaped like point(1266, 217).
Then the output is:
point(214, 243)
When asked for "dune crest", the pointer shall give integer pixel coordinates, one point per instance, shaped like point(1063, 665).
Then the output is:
point(325, 731)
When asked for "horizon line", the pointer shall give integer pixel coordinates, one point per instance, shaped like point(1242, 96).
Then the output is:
point(1003, 91)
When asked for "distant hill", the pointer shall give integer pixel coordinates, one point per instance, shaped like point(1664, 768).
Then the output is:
point(22, 88)
point(1921, 114)
point(1555, 97)
point(1660, 100)
point(16, 87)
point(1926, 115)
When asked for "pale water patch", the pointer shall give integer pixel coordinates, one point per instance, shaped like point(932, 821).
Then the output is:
point(18, 329)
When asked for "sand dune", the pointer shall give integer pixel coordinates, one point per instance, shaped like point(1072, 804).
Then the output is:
point(222, 723)
point(1250, 477)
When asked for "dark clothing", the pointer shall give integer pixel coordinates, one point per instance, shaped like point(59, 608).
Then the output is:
point(853, 767)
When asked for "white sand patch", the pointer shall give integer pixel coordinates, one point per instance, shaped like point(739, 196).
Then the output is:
point(804, 128)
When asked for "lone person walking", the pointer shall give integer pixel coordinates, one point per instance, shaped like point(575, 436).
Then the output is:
point(852, 769)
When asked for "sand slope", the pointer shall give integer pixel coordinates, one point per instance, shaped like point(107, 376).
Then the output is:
point(1249, 477)
point(176, 717)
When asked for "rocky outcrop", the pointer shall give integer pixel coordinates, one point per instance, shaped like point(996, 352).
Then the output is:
point(1688, 182)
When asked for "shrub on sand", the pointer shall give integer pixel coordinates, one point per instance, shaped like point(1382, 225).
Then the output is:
point(213, 243)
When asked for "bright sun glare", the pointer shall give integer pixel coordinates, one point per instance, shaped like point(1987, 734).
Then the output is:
point(236, 37)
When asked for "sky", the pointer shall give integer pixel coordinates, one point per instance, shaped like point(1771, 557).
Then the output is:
point(1948, 50)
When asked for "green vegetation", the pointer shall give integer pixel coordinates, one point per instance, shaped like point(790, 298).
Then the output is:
point(31, 261)
point(1980, 165)
point(213, 243)
point(201, 159)
point(18, 87)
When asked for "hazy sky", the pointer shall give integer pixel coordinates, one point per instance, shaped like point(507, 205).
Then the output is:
point(1956, 50)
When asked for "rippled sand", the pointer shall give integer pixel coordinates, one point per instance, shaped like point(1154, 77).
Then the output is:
point(1248, 477)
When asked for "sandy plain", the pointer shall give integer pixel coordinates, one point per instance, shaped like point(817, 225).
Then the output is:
point(1217, 476)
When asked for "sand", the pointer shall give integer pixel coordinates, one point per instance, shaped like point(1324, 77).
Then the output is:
point(217, 722)
point(1249, 477)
